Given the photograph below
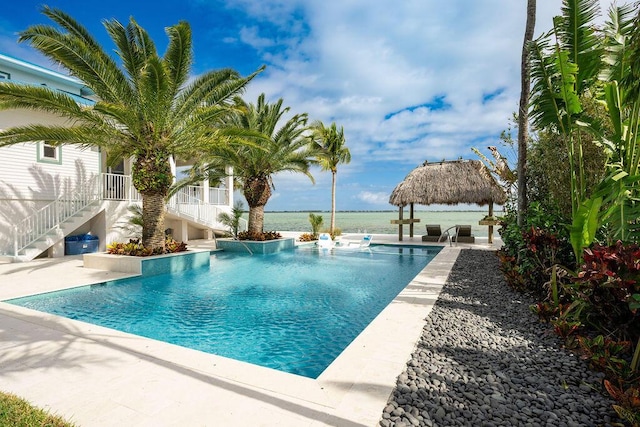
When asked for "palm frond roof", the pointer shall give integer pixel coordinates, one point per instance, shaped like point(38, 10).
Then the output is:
point(449, 183)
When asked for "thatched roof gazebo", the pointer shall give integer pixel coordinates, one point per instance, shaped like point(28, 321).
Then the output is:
point(448, 183)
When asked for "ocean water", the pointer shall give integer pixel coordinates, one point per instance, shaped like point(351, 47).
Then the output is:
point(377, 222)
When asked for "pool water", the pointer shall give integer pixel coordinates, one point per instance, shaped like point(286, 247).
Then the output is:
point(294, 311)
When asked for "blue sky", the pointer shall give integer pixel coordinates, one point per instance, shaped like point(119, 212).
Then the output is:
point(409, 80)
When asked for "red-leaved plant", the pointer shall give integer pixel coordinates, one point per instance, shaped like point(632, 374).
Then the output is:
point(609, 282)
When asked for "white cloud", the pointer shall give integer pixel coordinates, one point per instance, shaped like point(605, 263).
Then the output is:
point(379, 198)
point(250, 36)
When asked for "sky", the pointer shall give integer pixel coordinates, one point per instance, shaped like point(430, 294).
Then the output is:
point(409, 80)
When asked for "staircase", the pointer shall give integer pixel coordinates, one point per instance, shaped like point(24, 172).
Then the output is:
point(47, 226)
point(190, 207)
point(52, 223)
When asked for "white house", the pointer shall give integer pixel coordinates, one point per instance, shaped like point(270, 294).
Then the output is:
point(48, 193)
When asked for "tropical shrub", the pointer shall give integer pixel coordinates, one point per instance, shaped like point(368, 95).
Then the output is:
point(316, 222)
point(259, 236)
point(628, 399)
point(606, 355)
point(307, 237)
point(135, 248)
point(609, 285)
point(529, 252)
point(232, 221)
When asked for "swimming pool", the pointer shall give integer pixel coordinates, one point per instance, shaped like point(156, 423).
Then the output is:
point(294, 311)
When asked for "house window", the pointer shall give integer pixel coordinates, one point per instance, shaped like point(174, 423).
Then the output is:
point(5, 76)
point(48, 153)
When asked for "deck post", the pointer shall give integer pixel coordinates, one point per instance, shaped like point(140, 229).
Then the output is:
point(400, 214)
point(491, 226)
point(411, 217)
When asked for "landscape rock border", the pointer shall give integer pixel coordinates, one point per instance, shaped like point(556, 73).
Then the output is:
point(485, 360)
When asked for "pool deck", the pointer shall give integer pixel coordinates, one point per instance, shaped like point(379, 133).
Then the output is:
point(96, 376)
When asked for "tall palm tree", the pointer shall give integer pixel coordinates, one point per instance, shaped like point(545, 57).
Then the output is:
point(262, 149)
point(147, 108)
point(332, 151)
point(523, 112)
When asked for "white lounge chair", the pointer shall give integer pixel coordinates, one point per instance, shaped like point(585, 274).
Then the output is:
point(364, 243)
point(324, 241)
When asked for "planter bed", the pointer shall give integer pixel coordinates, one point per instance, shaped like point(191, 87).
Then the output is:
point(151, 265)
point(256, 247)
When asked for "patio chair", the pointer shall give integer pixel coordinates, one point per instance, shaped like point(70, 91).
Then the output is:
point(463, 234)
point(434, 233)
point(364, 243)
point(324, 241)
point(352, 245)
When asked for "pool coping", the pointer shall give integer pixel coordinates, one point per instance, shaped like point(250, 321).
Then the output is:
point(353, 390)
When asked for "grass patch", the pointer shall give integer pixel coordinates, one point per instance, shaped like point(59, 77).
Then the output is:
point(17, 412)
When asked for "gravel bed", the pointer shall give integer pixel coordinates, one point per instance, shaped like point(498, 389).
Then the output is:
point(485, 360)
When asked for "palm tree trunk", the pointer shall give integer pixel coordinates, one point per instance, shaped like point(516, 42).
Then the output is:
point(523, 113)
point(333, 201)
point(256, 218)
point(153, 220)
point(257, 191)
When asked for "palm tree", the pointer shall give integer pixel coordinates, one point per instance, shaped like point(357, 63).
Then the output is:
point(147, 108)
point(232, 220)
point(523, 113)
point(260, 150)
point(330, 144)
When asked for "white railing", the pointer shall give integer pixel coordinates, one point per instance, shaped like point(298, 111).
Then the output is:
point(118, 187)
point(187, 202)
point(219, 196)
point(50, 217)
point(187, 205)
point(189, 195)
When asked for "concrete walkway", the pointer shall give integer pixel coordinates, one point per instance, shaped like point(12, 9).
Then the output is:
point(96, 376)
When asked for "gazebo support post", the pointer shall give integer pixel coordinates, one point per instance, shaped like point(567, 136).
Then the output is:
point(400, 215)
point(491, 226)
point(411, 217)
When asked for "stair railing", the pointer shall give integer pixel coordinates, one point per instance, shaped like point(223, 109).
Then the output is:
point(49, 217)
point(188, 205)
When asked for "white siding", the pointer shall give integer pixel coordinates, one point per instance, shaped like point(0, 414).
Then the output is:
point(23, 177)
point(26, 184)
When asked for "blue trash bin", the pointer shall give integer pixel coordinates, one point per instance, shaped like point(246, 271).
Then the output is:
point(81, 244)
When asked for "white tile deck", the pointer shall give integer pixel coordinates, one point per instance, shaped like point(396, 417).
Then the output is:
point(96, 376)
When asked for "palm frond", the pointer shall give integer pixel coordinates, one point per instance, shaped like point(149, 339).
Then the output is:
point(84, 136)
point(80, 54)
point(576, 35)
point(41, 98)
point(155, 94)
point(617, 29)
point(129, 54)
point(179, 54)
point(631, 81)
point(553, 96)
point(65, 21)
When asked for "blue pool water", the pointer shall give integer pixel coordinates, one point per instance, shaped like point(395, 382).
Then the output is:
point(294, 311)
